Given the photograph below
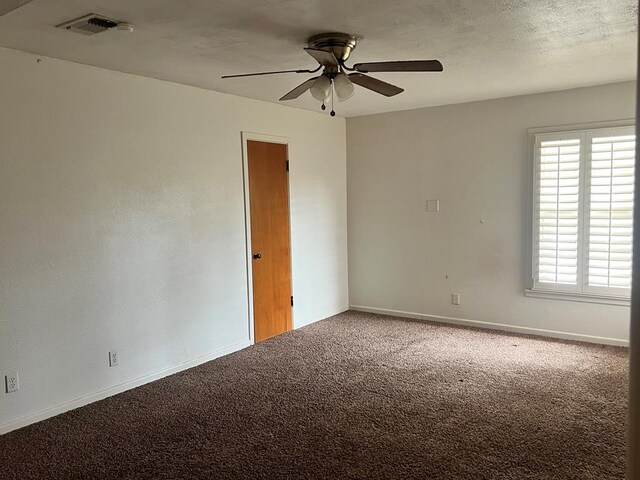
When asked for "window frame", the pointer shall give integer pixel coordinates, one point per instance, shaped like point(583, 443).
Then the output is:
point(581, 291)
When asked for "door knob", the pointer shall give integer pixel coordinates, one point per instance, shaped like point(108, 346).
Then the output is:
point(257, 256)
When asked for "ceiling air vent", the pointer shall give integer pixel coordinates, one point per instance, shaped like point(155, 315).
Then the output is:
point(90, 24)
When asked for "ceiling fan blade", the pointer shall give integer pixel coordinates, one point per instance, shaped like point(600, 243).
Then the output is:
point(269, 73)
point(324, 58)
point(376, 85)
point(299, 90)
point(402, 66)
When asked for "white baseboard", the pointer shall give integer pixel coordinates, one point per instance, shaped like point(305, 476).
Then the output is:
point(324, 316)
point(102, 394)
point(337, 312)
point(496, 326)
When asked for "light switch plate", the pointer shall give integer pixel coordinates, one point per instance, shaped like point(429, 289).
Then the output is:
point(433, 205)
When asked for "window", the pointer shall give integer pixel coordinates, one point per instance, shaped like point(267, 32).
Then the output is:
point(583, 212)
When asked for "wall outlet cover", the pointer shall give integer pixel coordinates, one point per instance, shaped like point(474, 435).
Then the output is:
point(12, 383)
point(455, 298)
point(113, 358)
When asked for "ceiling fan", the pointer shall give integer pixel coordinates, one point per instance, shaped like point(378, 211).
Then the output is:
point(331, 51)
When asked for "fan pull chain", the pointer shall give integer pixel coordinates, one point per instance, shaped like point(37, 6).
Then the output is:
point(333, 113)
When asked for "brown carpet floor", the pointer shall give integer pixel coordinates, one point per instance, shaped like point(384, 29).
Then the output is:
point(357, 396)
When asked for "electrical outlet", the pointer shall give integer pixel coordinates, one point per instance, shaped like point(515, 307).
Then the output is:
point(455, 298)
point(113, 358)
point(11, 382)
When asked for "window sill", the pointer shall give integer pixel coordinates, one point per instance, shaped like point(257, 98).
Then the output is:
point(579, 297)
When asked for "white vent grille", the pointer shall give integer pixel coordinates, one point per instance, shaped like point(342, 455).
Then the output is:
point(90, 24)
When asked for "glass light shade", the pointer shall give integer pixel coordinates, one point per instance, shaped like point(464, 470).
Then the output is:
point(321, 88)
point(344, 87)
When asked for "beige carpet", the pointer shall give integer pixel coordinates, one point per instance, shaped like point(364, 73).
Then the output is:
point(357, 396)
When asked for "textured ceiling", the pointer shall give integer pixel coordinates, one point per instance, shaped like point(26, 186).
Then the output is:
point(489, 48)
point(7, 6)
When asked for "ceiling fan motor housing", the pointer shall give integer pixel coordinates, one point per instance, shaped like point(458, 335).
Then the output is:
point(340, 44)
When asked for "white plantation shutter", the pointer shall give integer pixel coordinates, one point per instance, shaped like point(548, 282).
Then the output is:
point(583, 211)
point(610, 210)
point(557, 210)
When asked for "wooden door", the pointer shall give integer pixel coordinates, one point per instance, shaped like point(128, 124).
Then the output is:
point(270, 242)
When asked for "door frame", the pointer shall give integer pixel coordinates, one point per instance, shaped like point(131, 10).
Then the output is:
point(261, 137)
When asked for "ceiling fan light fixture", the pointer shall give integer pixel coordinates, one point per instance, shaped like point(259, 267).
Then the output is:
point(331, 51)
point(344, 87)
point(321, 88)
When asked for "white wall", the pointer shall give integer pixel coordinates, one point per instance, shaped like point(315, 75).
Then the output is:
point(122, 227)
point(474, 158)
